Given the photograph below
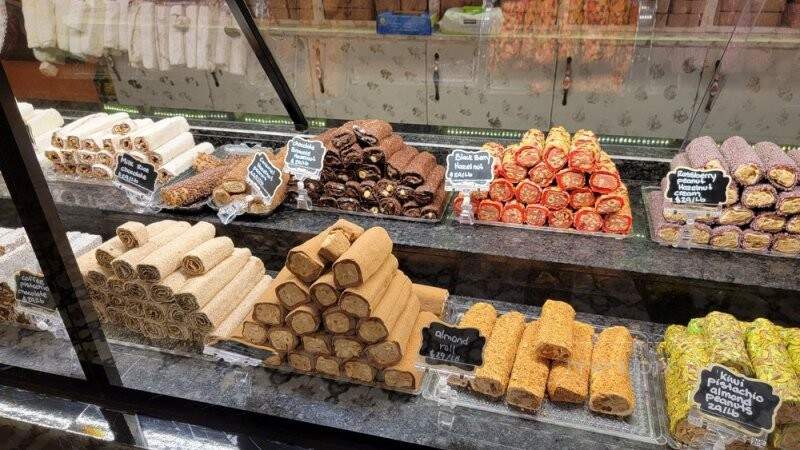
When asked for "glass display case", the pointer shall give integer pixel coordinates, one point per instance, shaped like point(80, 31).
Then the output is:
point(253, 209)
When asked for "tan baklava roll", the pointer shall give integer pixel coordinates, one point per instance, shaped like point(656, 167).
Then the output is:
point(317, 343)
point(554, 340)
point(360, 370)
point(405, 375)
point(610, 386)
point(377, 327)
point(304, 319)
point(329, 365)
point(526, 387)
point(492, 377)
point(358, 263)
point(390, 351)
point(324, 292)
point(431, 298)
point(362, 300)
point(338, 321)
point(269, 310)
point(569, 380)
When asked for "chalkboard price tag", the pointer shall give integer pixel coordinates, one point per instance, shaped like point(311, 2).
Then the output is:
point(469, 171)
point(134, 174)
point(746, 402)
point(32, 290)
point(264, 176)
point(238, 353)
point(446, 345)
point(304, 158)
point(696, 186)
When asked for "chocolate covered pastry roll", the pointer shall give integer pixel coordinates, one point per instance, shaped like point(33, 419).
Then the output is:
point(793, 224)
point(412, 209)
point(424, 194)
point(326, 201)
point(703, 153)
point(368, 172)
point(352, 189)
point(314, 188)
point(743, 162)
point(404, 193)
point(526, 387)
point(352, 155)
point(554, 340)
point(769, 222)
point(781, 169)
point(736, 215)
point(370, 132)
point(755, 240)
point(789, 202)
point(331, 162)
point(725, 236)
point(390, 206)
point(398, 162)
point(610, 387)
point(759, 196)
point(344, 176)
point(343, 138)
point(384, 150)
point(334, 189)
point(367, 192)
point(786, 243)
point(418, 169)
point(435, 209)
point(348, 204)
point(386, 187)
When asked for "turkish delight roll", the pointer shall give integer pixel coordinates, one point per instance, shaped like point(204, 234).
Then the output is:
point(528, 192)
point(795, 155)
point(556, 148)
point(529, 375)
point(424, 194)
point(785, 437)
point(533, 137)
point(583, 197)
point(536, 215)
point(789, 202)
point(390, 206)
point(584, 151)
point(434, 210)
point(759, 196)
point(562, 218)
point(755, 240)
point(303, 320)
point(786, 243)
point(569, 380)
point(398, 162)
point(343, 137)
point(492, 377)
point(725, 236)
point(588, 219)
point(610, 387)
point(703, 153)
point(619, 222)
point(666, 231)
point(490, 210)
point(387, 147)
point(513, 212)
point(769, 222)
point(771, 363)
point(541, 175)
point(360, 370)
point(282, 339)
point(363, 258)
point(338, 321)
point(362, 299)
point(793, 224)
point(555, 198)
point(724, 340)
point(743, 162)
point(736, 215)
point(701, 233)
point(405, 374)
point(781, 169)
point(328, 365)
point(604, 182)
point(554, 340)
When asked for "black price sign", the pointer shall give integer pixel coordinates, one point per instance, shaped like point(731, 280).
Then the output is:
point(32, 290)
point(460, 347)
point(469, 171)
point(739, 399)
point(136, 174)
point(696, 186)
point(304, 157)
point(244, 351)
point(264, 176)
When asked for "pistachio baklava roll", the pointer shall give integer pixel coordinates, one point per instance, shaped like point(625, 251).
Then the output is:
point(724, 340)
point(554, 340)
point(569, 380)
point(526, 388)
point(772, 363)
point(492, 377)
point(610, 386)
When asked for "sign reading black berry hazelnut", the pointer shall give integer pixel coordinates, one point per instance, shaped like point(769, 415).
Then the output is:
point(468, 171)
point(32, 290)
point(749, 403)
point(697, 186)
point(264, 176)
point(304, 158)
point(446, 345)
point(132, 173)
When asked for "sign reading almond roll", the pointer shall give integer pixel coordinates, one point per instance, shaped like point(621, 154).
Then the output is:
point(362, 299)
point(362, 259)
point(610, 387)
point(492, 377)
point(554, 340)
point(530, 373)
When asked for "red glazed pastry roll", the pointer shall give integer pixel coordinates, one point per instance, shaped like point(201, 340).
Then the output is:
point(736, 215)
point(556, 148)
point(555, 198)
point(618, 12)
point(759, 196)
point(581, 197)
point(584, 151)
point(513, 212)
point(789, 202)
point(780, 168)
point(511, 169)
point(588, 219)
point(755, 240)
point(527, 155)
point(786, 243)
point(542, 175)
point(562, 218)
point(536, 215)
point(604, 182)
point(703, 153)
point(743, 162)
point(494, 148)
point(620, 222)
point(569, 180)
point(533, 137)
point(501, 190)
point(725, 236)
point(490, 210)
point(596, 12)
point(612, 202)
point(527, 192)
point(793, 225)
point(768, 222)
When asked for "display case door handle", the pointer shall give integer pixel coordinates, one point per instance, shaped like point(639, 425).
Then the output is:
point(566, 83)
point(436, 76)
point(318, 70)
point(713, 90)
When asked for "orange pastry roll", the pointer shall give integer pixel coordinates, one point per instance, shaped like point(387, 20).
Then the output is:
point(569, 380)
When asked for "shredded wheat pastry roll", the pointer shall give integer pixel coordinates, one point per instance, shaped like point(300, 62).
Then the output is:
point(526, 387)
point(610, 388)
point(492, 377)
point(481, 316)
point(569, 380)
point(554, 340)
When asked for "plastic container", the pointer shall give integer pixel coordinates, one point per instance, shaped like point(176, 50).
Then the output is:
point(471, 20)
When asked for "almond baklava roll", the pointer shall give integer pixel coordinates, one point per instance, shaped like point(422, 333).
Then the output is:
point(554, 340)
point(526, 388)
point(610, 388)
point(492, 377)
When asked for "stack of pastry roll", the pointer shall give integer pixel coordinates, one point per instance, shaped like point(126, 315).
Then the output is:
point(758, 349)
point(170, 281)
point(551, 357)
point(341, 308)
point(40, 123)
point(558, 181)
point(763, 208)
